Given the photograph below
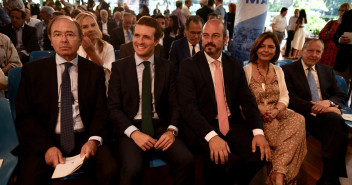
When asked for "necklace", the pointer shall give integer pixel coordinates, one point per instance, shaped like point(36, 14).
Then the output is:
point(264, 83)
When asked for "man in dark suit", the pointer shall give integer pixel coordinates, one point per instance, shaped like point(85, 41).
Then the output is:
point(165, 40)
point(212, 94)
point(189, 45)
point(146, 121)
point(23, 37)
point(343, 59)
point(116, 22)
point(123, 34)
point(61, 111)
point(104, 25)
point(127, 50)
point(314, 94)
point(205, 10)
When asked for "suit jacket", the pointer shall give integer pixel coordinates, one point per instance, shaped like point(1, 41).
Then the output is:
point(204, 12)
point(197, 99)
point(167, 41)
point(39, 27)
point(112, 24)
point(180, 51)
point(299, 92)
point(127, 50)
point(344, 54)
point(29, 37)
point(37, 102)
point(123, 99)
point(117, 37)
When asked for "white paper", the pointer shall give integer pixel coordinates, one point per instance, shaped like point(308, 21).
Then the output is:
point(1, 161)
point(347, 117)
point(349, 35)
point(71, 165)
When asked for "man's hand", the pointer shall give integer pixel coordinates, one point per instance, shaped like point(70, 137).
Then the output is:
point(165, 141)
point(53, 157)
point(320, 106)
point(89, 149)
point(333, 109)
point(219, 149)
point(344, 39)
point(144, 141)
point(260, 141)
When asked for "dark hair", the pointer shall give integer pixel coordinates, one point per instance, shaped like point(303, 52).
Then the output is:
point(283, 9)
point(212, 14)
point(149, 21)
point(159, 17)
point(174, 27)
point(80, 34)
point(210, 2)
point(178, 4)
point(220, 1)
point(194, 18)
point(23, 14)
point(253, 57)
point(302, 16)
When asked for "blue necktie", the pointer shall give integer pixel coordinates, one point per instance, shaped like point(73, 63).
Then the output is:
point(129, 35)
point(67, 138)
point(313, 85)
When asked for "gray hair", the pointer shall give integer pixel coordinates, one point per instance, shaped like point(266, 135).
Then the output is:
point(49, 10)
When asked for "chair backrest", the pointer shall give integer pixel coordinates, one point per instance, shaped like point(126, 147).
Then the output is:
point(8, 135)
point(36, 55)
point(117, 52)
point(8, 140)
point(341, 83)
point(283, 62)
point(246, 62)
point(14, 78)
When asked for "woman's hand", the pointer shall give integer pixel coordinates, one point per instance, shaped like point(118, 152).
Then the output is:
point(87, 45)
point(265, 113)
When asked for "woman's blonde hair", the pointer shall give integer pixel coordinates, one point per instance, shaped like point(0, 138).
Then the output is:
point(81, 16)
point(346, 6)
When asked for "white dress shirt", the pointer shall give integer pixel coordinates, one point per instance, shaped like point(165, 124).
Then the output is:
point(196, 48)
point(212, 67)
point(140, 68)
point(279, 23)
point(77, 121)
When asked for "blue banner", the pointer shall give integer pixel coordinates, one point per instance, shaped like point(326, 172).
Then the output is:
point(250, 20)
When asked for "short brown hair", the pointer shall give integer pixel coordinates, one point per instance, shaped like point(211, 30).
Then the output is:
point(194, 18)
point(23, 14)
point(80, 34)
point(253, 57)
point(149, 21)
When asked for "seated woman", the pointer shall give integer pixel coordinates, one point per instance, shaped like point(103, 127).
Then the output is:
point(283, 128)
point(93, 47)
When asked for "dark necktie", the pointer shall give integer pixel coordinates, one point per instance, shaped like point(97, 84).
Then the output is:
point(193, 49)
point(313, 86)
point(67, 138)
point(147, 121)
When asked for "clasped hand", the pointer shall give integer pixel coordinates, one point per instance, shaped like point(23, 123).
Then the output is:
point(323, 106)
point(146, 142)
point(268, 114)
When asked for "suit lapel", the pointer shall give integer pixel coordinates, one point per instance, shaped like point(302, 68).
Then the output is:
point(159, 79)
point(227, 71)
point(83, 73)
point(131, 74)
point(51, 87)
point(185, 49)
point(301, 76)
point(205, 72)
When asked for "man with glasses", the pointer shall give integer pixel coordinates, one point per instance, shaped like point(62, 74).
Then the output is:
point(189, 45)
point(61, 112)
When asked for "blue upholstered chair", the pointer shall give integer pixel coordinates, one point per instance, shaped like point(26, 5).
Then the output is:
point(8, 140)
point(283, 62)
point(36, 55)
point(345, 110)
point(14, 77)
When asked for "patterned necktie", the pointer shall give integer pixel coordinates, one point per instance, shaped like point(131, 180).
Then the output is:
point(147, 121)
point(67, 138)
point(313, 85)
point(193, 50)
point(129, 35)
point(220, 100)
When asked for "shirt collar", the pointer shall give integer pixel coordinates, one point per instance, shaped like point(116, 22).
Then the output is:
point(139, 60)
point(211, 60)
point(19, 28)
point(305, 67)
point(60, 60)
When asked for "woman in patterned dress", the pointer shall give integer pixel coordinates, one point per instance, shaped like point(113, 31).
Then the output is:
point(327, 35)
point(283, 128)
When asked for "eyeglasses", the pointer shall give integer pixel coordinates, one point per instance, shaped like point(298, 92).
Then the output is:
point(67, 35)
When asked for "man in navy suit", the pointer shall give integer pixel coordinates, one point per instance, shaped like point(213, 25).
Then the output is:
point(213, 93)
point(189, 45)
point(144, 110)
point(315, 94)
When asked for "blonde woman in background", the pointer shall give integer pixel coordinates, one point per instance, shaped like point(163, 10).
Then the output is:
point(93, 47)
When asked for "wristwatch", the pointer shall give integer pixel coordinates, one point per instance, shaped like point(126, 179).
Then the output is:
point(173, 131)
